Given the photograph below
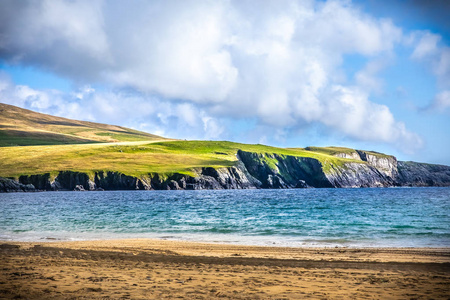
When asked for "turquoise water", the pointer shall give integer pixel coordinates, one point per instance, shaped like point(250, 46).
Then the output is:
point(378, 217)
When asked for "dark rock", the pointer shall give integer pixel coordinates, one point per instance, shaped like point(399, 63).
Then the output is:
point(79, 188)
point(421, 174)
point(352, 175)
point(302, 185)
point(40, 181)
point(117, 181)
point(69, 180)
point(277, 171)
point(10, 185)
point(173, 185)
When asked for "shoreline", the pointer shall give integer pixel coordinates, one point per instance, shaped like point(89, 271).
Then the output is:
point(226, 239)
point(22, 189)
point(155, 269)
point(213, 242)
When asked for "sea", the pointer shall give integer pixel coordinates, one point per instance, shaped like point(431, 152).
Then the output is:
point(365, 217)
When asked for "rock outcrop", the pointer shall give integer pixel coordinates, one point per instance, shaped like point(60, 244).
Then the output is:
point(352, 175)
point(421, 174)
point(386, 164)
point(10, 185)
point(276, 171)
point(40, 181)
point(252, 170)
point(284, 171)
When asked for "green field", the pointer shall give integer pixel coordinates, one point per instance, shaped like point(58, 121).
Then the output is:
point(22, 127)
point(336, 150)
point(134, 158)
point(34, 143)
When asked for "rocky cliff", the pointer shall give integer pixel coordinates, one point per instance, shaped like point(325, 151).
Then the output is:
point(236, 177)
point(253, 170)
point(10, 185)
point(386, 164)
point(420, 174)
point(276, 171)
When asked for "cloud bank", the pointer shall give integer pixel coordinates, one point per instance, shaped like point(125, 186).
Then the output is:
point(199, 65)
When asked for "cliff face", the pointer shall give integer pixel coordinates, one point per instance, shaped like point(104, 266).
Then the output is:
point(420, 174)
point(253, 170)
point(10, 185)
point(236, 177)
point(284, 171)
point(383, 163)
point(379, 170)
point(353, 175)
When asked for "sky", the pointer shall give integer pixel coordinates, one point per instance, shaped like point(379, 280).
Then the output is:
point(372, 75)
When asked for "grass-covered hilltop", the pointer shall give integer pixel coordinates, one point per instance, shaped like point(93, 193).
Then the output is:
point(22, 127)
point(44, 152)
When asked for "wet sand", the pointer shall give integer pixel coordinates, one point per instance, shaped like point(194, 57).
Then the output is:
point(158, 269)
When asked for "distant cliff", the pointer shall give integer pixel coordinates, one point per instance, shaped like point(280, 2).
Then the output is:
point(420, 174)
point(363, 169)
point(253, 170)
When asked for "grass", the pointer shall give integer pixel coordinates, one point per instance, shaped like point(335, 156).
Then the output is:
point(331, 150)
point(336, 150)
point(29, 138)
point(137, 158)
point(378, 154)
point(34, 143)
point(22, 127)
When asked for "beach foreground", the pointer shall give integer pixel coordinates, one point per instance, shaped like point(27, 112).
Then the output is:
point(158, 269)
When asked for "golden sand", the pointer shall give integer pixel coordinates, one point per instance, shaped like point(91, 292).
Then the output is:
point(158, 269)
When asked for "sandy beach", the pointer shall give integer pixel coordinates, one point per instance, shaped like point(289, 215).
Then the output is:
point(160, 269)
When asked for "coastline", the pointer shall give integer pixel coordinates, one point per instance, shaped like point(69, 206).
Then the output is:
point(155, 269)
point(232, 240)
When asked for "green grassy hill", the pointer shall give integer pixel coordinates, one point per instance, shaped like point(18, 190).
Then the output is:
point(35, 143)
point(22, 127)
point(135, 158)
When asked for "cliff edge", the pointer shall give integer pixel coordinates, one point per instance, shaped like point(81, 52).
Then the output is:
point(253, 170)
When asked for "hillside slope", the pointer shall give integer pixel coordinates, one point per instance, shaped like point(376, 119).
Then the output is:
point(168, 164)
point(22, 127)
point(202, 165)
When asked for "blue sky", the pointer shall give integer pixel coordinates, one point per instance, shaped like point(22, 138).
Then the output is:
point(368, 74)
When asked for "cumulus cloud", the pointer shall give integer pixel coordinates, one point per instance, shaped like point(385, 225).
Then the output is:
point(24, 96)
point(135, 110)
point(426, 46)
point(440, 103)
point(198, 63)
point(364, 119)
point(367, 77)
point(66, 37)
point(429, 50)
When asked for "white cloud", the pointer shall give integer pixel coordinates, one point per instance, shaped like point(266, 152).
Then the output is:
point(212, 127)
point(436, 57)
point(197, 63)
point(180, 120)
point(24, 96)
point(427, 45)
point(83, 91)
point(352, 113)
point(442, 67)
point(440, 103)
point(367, 79)
point(63, 36)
